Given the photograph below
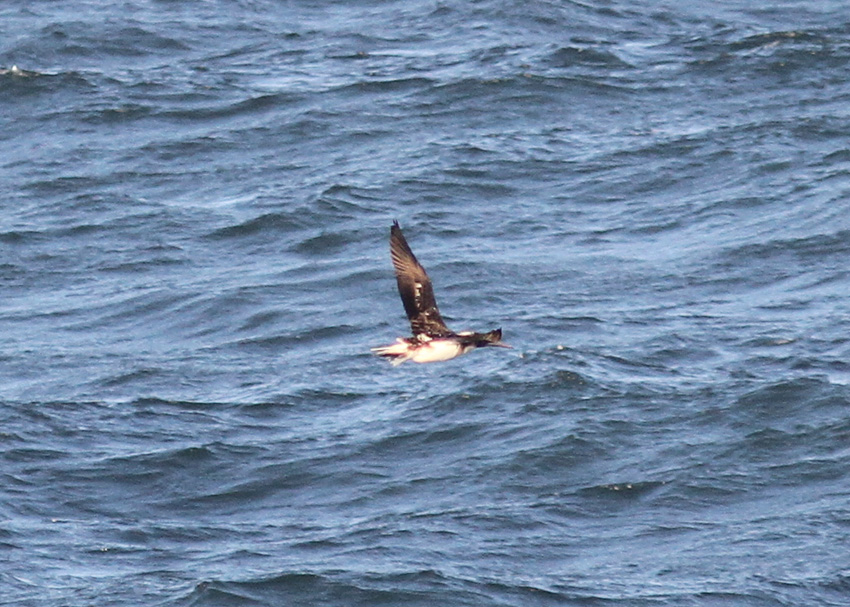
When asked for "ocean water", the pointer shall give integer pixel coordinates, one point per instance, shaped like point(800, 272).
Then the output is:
point(651, 198)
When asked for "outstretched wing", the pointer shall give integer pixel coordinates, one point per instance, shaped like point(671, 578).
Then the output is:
point(415, 289)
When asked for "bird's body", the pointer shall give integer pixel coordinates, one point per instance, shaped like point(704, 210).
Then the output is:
point(432, 340)
point(419, 351)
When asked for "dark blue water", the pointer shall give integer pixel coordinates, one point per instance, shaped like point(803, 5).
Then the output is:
point(652, 199)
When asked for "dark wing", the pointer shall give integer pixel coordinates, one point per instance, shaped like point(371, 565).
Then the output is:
point(415, 289)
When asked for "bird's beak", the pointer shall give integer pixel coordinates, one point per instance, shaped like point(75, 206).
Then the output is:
point(502, 345)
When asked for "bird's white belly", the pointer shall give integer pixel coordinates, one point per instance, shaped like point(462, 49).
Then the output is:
point(435, 351)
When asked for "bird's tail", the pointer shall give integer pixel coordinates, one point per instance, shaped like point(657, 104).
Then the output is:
point(397, 353)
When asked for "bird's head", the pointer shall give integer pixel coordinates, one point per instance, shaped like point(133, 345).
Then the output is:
point(492, 338)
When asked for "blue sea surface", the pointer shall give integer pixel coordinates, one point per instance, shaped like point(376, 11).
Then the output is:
point(650, 198)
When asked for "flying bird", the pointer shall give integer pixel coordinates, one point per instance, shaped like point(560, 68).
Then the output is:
point(432, 340)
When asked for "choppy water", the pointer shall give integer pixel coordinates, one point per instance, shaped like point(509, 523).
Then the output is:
point(650, 198)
